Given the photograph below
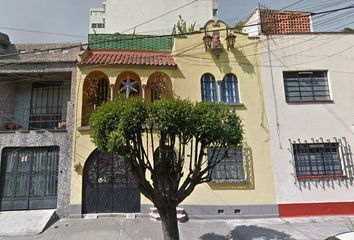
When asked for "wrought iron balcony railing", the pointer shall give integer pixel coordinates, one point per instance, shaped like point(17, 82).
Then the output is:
point(52, 117)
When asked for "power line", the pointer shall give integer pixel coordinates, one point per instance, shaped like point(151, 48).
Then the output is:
point(43, 32)
point(293, 4)
point(184, 34)
point(162, 15)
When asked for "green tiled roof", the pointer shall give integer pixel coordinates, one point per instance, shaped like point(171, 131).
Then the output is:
point(132, 42)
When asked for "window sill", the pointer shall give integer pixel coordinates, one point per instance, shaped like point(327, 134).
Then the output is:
point(240, 181)
point(309, 102)
point(231, 185)
point(34, 130)
point(84, 128)
point(321, 177)
point(233, 104)
point(57, 130)
point(7, 131)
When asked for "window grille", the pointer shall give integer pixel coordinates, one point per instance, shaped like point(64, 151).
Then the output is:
point(102, 92)
point(317, 160)
point(46, 105)
point(306, 86)
point(231, 167)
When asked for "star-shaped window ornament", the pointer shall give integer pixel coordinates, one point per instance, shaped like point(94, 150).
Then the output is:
point(129, 86)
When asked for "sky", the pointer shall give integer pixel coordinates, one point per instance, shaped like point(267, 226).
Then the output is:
point(71, 17)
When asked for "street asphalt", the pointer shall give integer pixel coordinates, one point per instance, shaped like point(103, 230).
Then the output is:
point(120, 228)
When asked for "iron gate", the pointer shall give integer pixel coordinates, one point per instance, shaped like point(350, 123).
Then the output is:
point(108, 185)
point(29, 178)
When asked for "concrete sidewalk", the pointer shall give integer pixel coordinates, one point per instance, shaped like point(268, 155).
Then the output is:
point(17, 223)
point(119, 228)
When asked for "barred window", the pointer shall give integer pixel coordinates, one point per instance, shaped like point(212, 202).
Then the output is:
point(208, 88)
point(47, 106)
point(102, 91)
point(306, 86)
point(317, 160)
point(230, 168)
point(230, 89)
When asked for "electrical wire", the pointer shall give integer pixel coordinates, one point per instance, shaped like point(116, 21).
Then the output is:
point(184, 34)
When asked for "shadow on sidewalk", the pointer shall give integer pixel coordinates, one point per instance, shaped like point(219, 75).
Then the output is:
point(248, 233)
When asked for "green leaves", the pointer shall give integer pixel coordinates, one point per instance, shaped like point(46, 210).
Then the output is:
point(172, 117)
point(115, 124)
point(216, 124)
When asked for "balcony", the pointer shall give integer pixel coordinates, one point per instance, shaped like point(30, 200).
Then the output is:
point(39, 118)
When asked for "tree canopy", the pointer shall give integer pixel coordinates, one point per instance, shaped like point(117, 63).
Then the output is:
point(182, 27)
point(167, 139)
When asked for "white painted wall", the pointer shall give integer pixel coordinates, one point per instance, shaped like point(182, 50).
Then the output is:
point(97, 16)
point(126, 14)
point(250, 28)
point(332, 52)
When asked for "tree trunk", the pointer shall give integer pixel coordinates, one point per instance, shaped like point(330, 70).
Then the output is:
point(169, 223)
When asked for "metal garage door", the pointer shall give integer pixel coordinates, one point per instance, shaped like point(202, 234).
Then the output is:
point(29, 178)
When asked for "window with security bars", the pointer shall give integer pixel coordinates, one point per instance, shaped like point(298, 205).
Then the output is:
point(230, 168)
point(229, 89)
point(306, 86)
point(46, 109)
point(317, 160)
point(208, 88)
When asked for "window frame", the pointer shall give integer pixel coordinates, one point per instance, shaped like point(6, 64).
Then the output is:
point(47, 107)
point(231, 87)
point(306, 82)
point(317, 160)
point(239, 166)
point(208, 93)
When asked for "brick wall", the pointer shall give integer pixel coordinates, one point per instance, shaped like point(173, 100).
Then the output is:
point(275, 22)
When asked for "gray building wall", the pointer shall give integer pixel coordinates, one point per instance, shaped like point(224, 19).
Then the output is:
point(17, 96)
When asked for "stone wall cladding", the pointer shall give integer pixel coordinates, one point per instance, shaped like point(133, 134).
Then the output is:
point(40, 53)
point(58, 61)
point(7, 93)
point(42, 139)
point(37, 68)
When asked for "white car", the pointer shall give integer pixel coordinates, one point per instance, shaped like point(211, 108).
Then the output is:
point(343, 236)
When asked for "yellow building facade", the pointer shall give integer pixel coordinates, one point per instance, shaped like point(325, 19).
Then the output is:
point(201, 66)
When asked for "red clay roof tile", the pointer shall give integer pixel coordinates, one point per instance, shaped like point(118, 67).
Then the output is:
point(129, 57)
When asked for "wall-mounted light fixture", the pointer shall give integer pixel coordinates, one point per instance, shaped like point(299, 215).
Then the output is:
point(213, 43)
point(230, 40)
point(207, 41)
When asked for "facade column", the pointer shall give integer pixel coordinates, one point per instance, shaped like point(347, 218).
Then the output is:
point(144, 87)
point(218, 90)
point(112, 91)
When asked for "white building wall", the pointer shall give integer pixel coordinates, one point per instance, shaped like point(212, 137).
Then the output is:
point(306, 52)
point(97, 20)
point(123, 15)
point(252, 26)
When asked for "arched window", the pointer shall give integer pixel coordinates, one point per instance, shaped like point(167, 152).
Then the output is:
point(229, 89)
point(128, 84)
point(159, 86)
point(95, 92)
point(208, 86)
